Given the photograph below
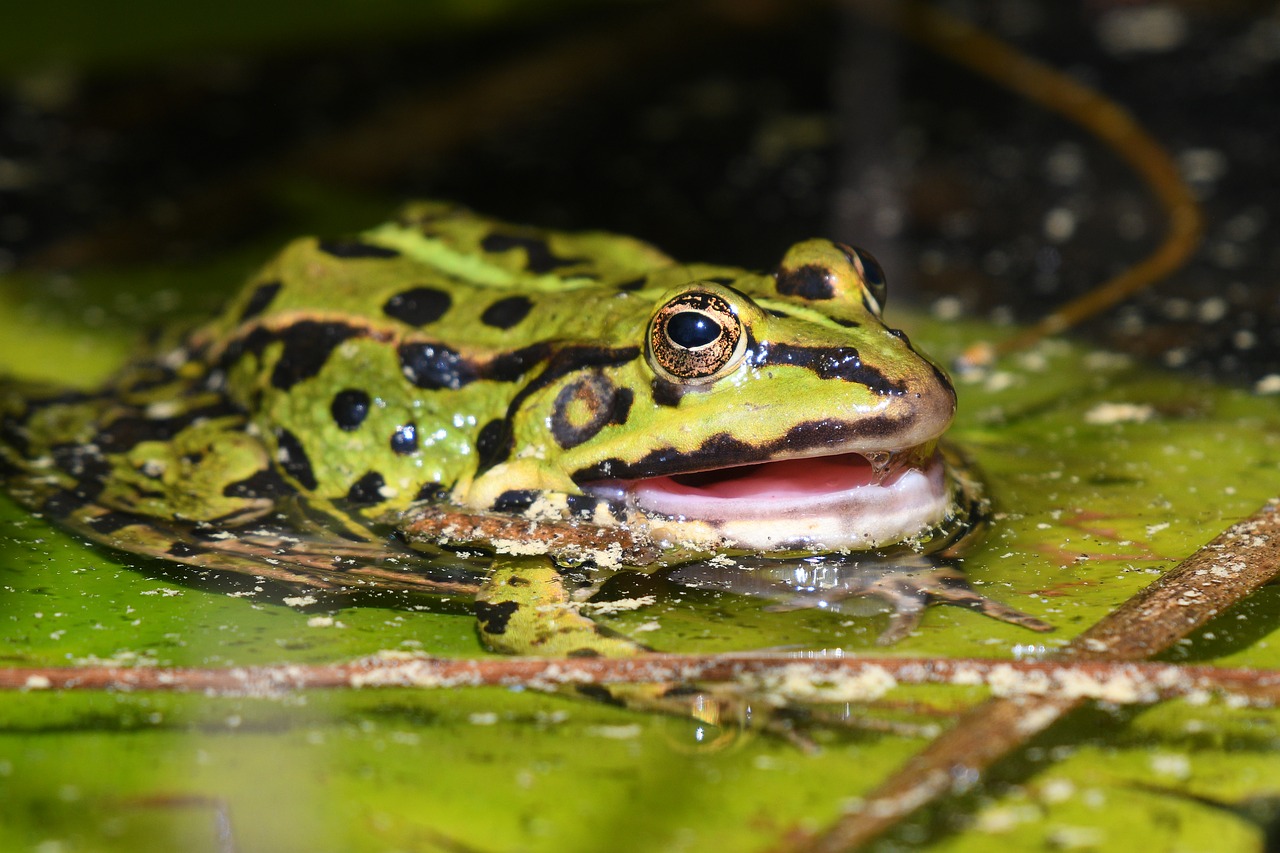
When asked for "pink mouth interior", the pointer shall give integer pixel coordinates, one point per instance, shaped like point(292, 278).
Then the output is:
point(825, 502)
point(776, 480)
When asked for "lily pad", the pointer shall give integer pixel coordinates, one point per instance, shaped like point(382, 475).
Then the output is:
point(1103, 472)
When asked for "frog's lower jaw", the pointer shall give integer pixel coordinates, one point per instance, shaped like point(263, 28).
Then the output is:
point(828, 503)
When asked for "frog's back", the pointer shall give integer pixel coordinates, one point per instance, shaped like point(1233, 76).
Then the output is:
point(370, 366)
point(299, 386)
point(439, 272)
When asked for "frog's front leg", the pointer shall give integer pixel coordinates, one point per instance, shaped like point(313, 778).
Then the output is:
point(524, 608)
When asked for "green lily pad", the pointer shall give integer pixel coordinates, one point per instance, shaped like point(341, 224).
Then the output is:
point(1103, 472)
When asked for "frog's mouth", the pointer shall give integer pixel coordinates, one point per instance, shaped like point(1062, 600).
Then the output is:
point(829, 502)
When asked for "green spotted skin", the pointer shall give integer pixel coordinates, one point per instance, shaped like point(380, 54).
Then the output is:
point(450, 359)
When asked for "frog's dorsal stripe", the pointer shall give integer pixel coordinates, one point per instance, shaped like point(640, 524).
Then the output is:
point(538, 254)
point(475, 269)
point(454, 240)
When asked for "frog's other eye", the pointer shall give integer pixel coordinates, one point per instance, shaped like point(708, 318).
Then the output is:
point(695, 338)
point(871, 273)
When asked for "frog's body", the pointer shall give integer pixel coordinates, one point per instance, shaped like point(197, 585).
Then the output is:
point(447, 375)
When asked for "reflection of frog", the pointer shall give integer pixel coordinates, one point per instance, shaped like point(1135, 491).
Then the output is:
point(451, 380)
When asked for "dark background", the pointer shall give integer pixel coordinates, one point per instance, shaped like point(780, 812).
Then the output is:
point(720, 132)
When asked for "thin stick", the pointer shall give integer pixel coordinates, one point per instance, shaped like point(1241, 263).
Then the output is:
point(782, 677)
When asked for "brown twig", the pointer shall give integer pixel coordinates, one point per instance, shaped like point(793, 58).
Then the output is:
point(782, 677)
point(1088, 109)
point(1230, 568)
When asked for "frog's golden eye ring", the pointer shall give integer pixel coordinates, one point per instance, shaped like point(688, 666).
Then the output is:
point(696, 338)
point(871, 273)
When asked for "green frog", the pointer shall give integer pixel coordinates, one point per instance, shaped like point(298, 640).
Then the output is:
point(446, 381)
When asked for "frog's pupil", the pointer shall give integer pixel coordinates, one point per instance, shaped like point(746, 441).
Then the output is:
point(692, 329)
point(350, 408)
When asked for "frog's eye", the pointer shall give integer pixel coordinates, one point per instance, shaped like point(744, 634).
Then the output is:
point(869, 270)
point(695, 338)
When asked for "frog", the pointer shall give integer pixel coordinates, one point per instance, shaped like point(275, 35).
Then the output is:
point(569, 403)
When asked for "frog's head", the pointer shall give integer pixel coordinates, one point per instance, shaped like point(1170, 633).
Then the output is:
point(762, 411)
